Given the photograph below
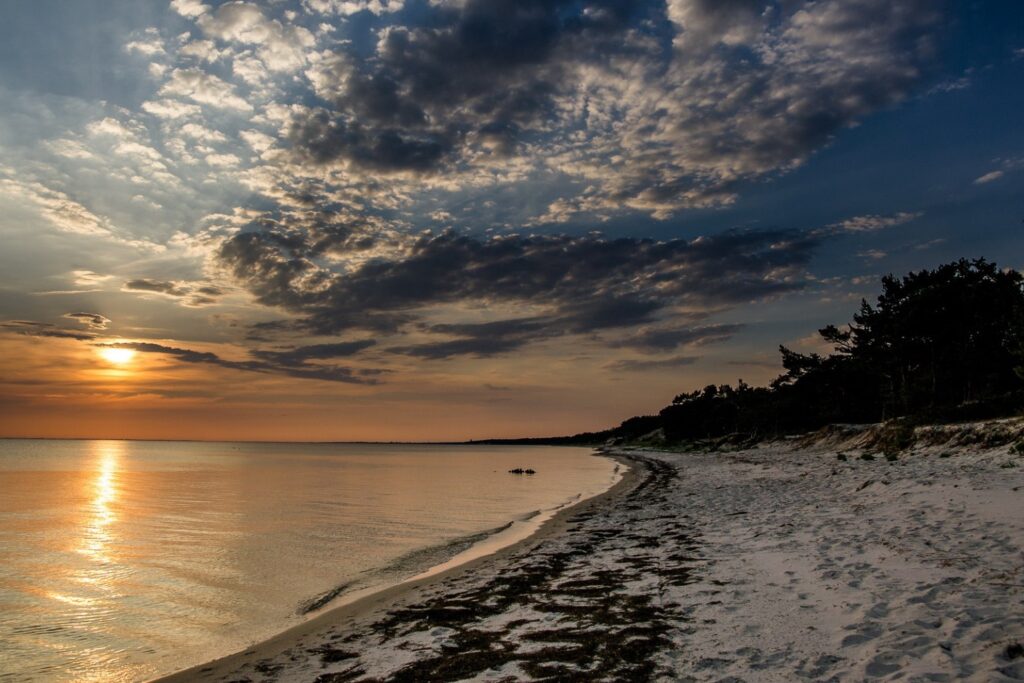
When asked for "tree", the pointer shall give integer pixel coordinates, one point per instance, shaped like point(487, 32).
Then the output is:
point(935, 343)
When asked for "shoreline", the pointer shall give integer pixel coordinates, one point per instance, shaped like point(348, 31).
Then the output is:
point(368, 602)
point(809, 559)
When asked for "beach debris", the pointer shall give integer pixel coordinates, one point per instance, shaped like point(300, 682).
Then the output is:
point(331, 655)
point(520, 470)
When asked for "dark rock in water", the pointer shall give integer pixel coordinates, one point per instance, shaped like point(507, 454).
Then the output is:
point(520, 470)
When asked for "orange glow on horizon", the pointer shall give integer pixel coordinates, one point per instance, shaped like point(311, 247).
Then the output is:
point(62, 388)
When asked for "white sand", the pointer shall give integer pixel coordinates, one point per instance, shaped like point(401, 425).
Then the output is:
point(857, 570)
point(777, 563)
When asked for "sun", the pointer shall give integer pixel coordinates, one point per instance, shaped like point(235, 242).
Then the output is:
point(117, 356)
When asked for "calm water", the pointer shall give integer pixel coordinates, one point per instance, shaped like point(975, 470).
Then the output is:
point(122, 560)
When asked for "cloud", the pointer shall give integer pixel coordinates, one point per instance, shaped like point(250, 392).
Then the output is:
point(222, 160)
point(644, 106)
point(349, 7)
point(31, 328)
point(203, 50)
point(281, 47)
point(871, 223)
point(323, 139)
point(72, 149)
point(747, 88)
point(300, 362)
point(669, 338)
point(203, 88)
point(189, 8)
point(260, 142)
point(1006, 165)
point(630, 365)
point(87, 278)
point(952, 85)
point(191, 294)
point(93, 321)
point(149, 44)
point(481, 340)
point(303, 354)
point(989, 177)
point(479, 77)
point(156, 287)
point(68, 215)
point(170, 109)
point(930, 243)
point(293, 367)
point(576, 284)
point(202, 133)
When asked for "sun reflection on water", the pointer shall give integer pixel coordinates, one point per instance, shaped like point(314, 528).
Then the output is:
point(92, 603)
point(97, 536)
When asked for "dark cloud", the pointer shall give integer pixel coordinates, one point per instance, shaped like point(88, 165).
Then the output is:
point(485, 73)
point(479, 347)
point(584, 283)
point(325, 139)
point(94, 321)
point(189, 293)
point(186, 355)
point(631, 365)
point(293, 366)
point(302, 354)
point(31, 328)
point(656, 105)
point(156, 287)
point(481, 339)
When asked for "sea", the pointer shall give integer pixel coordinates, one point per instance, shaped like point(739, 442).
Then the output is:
point(128, 560)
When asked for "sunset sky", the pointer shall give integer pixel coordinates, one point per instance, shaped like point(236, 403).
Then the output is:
point(447, 219)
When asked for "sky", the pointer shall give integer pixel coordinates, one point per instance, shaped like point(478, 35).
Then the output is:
point(452, 219)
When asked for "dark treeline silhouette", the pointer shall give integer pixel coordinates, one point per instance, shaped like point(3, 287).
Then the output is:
point(938, 345)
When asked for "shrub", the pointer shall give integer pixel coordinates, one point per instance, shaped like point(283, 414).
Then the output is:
point(894, 438)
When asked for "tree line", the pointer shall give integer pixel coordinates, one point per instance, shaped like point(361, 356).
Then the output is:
point(937, 346)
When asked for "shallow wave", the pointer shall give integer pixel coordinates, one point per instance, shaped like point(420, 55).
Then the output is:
point(407, 565)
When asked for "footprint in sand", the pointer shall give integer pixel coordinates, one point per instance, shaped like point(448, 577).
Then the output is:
point(883, 664)
point(865, 633)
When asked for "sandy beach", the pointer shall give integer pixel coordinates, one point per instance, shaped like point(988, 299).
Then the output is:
point(806, 559)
